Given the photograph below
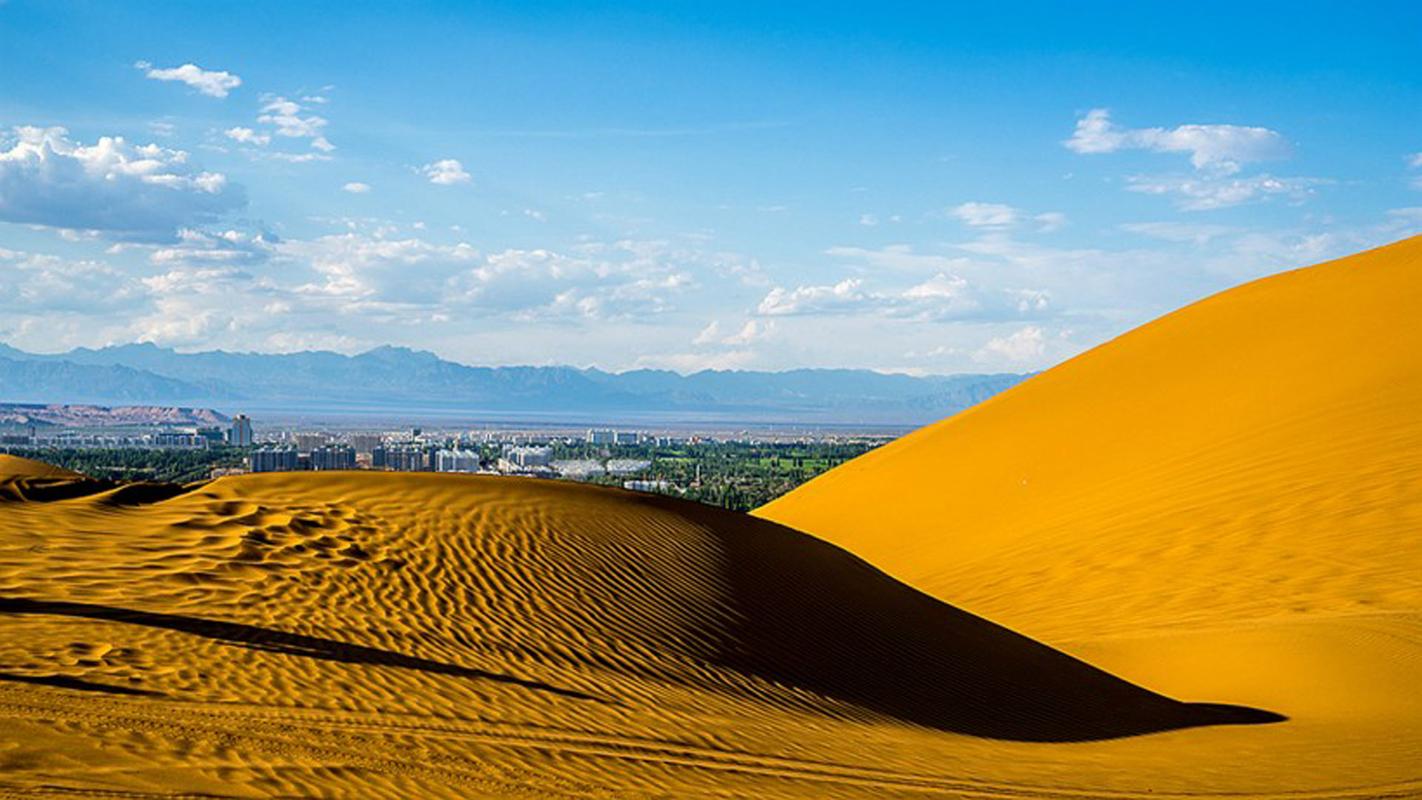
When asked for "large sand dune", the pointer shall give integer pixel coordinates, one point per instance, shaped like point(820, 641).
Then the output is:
point(358, 633)
point(1227, 502)
point(1207, 528)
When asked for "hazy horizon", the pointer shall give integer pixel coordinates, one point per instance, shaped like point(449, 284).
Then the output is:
point(666, 187)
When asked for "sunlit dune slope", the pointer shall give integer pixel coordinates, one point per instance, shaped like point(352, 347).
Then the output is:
point(16, 468)
point(368, 633)
point(1227, 500)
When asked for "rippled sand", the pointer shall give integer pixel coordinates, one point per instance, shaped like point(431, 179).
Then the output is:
point(1209, 529)
point(367, 633)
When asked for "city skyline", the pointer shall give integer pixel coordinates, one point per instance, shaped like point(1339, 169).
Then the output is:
point(919, 191)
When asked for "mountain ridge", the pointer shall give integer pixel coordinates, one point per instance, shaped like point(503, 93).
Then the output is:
point(390, 376)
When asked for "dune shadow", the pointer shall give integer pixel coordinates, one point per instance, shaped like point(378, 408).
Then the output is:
point(818, 618)
point(273, 641)
point(116, 493)
point(67, 682)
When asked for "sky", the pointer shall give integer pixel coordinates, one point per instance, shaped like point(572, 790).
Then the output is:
point(920, 188)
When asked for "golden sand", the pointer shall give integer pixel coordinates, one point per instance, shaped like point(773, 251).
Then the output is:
point(1224, 503)
point(1219, 511)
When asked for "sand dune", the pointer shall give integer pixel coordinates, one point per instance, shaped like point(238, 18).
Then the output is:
point(1226, 501)
point(1184, 564)
point(289, 634)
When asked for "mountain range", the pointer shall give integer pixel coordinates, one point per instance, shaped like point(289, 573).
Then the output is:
point(401, 378)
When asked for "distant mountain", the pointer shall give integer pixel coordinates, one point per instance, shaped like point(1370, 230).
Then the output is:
point(42, 415)
point(27, 379)
point(397, 377)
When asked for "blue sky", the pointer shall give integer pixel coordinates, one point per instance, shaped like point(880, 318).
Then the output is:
point(919, 188)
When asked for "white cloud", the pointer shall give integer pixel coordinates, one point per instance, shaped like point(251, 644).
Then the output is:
point(710, 334)
point(291, 120)
point(358, 267)
point(1022, 346)
point(356, 187)
point(749, 333)
point(869, 220)
point(535, 214)
point(1218, 148)
point(1000, 216)
point(121, 189)
point(162, 128)
point(247, 136)
point(201, 247)
point(1206, 192)
point(446, 172)
point(38, 282)
point(943, 297)
point(1415, 161)
point(213, 83)
point(841, 296)
point(985, 215)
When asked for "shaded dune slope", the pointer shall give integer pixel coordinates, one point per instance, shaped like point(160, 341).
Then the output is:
point(553, 588)
point(1226, 501)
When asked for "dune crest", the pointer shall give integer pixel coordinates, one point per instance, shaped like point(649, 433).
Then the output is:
point(1226, 500)
point(470, 604)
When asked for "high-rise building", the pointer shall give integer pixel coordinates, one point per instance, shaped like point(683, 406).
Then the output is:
point(306, 442)
point(526, 459)
point(626, 437)
point(333, 456)
point(240, 434)
point(456, 461)
point(596, 436)
point(366, 442)
point(274, 458)
point(401, 458)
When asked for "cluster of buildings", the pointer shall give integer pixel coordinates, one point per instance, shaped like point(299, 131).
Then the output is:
point(238, 434)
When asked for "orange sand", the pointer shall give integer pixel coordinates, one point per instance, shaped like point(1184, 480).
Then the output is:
point(1221, 508)
point(1226, 502)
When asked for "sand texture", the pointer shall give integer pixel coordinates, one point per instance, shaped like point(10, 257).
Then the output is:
point(1226, 502)
point(1182, 565)
point(367, 634)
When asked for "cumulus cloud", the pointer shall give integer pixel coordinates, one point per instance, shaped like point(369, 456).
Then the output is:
point(356, 187)
point(1206, 192)
point(52, 284)
point(841, 296)
point(213, 83)
point(749, 333)
point(224, 247)
point(1019, 347)
point(111, 186)
point(943, 297)
point(985, 215)
point(291, 120)
point(1218, 148)
point(446, 172)
point(247, 136)
point(1000, 216)
point(358, 267)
